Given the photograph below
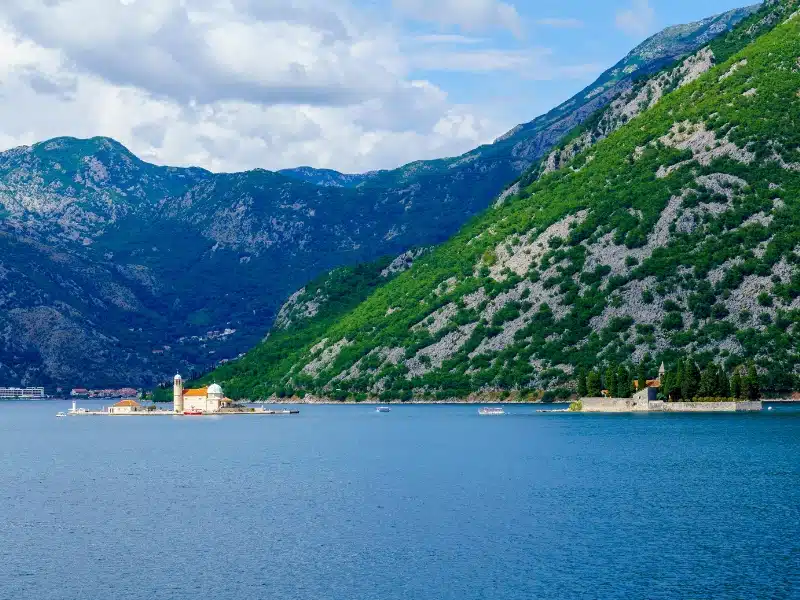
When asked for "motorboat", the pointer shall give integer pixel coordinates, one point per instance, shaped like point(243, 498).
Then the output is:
point(491, 411)
point(61, 414)
point(382, 409)
point(193, 413)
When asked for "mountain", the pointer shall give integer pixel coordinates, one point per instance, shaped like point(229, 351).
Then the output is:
point(115, 271)
point(327, 177)
point(675, 234)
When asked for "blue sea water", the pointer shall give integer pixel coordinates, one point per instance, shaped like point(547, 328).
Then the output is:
point(425, 502)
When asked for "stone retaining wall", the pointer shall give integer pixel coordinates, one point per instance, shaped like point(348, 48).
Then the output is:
point(659, 406)
point(614, 405)
point(626, 405)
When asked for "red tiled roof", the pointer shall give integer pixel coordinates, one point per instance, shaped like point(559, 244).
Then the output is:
point(127, 403)
point(195, 393)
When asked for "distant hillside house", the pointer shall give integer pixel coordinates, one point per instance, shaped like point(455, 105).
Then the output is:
point(125, 407)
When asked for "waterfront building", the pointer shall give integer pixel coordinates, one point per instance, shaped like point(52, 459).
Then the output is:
point(31, 393)
point(206, 400)
point(125, 407)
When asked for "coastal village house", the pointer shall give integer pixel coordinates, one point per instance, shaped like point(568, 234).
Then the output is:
point(205, 400)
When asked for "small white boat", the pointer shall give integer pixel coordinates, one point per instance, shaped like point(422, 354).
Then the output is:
point(61, 414)
point(382, 409)
point(491, 411)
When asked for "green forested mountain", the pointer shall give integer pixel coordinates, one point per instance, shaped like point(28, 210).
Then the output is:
point(114, 271)
point(675, 234)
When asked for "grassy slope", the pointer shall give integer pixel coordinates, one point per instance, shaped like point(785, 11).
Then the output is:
point(623, 197)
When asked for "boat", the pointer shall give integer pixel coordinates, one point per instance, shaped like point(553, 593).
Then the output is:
point(382, 409)
point(491, 411)
point(61, 414)
point(193, 413)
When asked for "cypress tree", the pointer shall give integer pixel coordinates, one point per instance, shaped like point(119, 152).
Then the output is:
point(677, 382)
point(631, 381)
point(737, 389)
point(593, 386)
point(611, 380)
point(723, 385)
point(666, 385)
point(708, 381)
point(642, 378)
point(582, 389)
point(691, 380)
point(623, 382)
point(752, 387)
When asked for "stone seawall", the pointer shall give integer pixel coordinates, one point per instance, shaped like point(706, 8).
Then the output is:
point(659, 406)
point(628, 405)
point(614, 405)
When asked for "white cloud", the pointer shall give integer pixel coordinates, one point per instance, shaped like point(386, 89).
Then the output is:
point(638, 20)
point(225, 84)
point(469, 15)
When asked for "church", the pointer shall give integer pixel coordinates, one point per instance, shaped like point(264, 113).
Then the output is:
point(202, 400)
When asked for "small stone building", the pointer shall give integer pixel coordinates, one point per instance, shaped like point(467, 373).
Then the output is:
point(125, 407)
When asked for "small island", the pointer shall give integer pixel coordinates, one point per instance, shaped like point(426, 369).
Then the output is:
point(190, 403)
point(687, 389)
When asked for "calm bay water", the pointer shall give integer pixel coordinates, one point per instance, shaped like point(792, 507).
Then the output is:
point(425, 502)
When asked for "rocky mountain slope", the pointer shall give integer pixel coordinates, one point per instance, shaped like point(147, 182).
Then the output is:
point(116, 271)
point(674, 235)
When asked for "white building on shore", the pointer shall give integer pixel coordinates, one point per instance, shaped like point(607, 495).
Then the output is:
point(204, 400)
point(125, 407)
point(31, 393)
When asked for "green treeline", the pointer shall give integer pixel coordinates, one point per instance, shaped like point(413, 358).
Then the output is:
point(685, 382)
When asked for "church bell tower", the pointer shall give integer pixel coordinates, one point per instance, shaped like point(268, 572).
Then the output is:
point(177, 394)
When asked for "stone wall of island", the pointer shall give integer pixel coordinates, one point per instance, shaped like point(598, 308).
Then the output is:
point(628, 405)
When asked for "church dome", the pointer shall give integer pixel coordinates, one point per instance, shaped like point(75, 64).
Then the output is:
point(214, 390)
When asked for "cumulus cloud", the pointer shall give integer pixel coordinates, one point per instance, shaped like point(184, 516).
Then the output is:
point(638, 20)
point(470, 15)
point(225, 84)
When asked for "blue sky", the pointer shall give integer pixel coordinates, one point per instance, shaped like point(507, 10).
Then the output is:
point(578, 40)
point(353, 85)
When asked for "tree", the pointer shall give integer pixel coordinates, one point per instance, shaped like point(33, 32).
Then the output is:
point(752, 387)
point(593, 385)
point(582, 389)
point(623, 383)
point(611, 380)
point(708, 381)
point(666, 386)
point(690, 385)
point(737, 389)
point(642, 377)
point(723, 385)
point(677, 382)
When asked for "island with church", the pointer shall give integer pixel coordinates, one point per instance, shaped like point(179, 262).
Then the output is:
point(687, 389)
point(196, 402)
